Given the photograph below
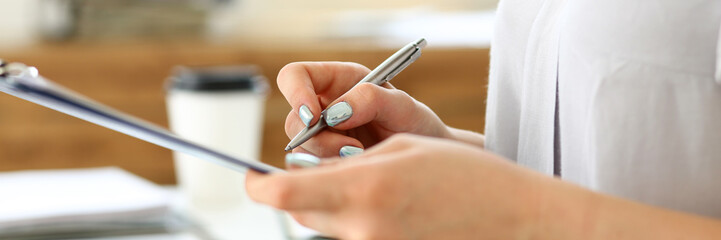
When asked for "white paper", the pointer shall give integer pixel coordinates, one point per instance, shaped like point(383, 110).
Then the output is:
point(30, 198)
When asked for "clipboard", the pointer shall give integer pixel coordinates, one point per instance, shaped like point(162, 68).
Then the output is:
point(25, 82)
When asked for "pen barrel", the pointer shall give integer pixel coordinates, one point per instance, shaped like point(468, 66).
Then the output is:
point(390, 67)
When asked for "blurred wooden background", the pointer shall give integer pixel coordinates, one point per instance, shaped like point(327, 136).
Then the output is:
point(130, 77)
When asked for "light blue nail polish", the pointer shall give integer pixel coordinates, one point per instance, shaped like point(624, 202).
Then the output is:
point(347, 151)
point(305, 115)
point(302, 160)
point(338, 113)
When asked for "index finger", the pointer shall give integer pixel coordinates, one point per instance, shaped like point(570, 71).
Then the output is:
point(316, 84)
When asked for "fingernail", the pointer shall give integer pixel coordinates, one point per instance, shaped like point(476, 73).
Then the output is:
point(347, 151)
point(338, 113)
point(305, 115)
point(302, 160)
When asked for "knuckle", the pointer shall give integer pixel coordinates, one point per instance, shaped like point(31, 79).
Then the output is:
point(418, 155)
point(358, 70)
point(285, 73)
point(357, 65)
point(402, 138)
point(367, 92)
point(402, 94)
point(290, 67)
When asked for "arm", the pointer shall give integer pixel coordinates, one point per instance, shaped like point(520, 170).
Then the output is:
point(413, 187)
point(571, 212)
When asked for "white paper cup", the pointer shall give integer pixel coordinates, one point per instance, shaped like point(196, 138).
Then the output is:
point(221, 108)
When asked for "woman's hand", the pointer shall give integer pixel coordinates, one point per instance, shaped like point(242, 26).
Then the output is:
point(413, 187)
point(360, 118)
point(408, 187)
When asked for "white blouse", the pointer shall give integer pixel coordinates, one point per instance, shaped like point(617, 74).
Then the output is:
point(622, 97)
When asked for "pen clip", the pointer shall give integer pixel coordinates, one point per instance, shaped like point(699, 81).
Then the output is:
point(414, 56)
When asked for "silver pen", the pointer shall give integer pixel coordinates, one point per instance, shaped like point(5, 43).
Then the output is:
point(380, 75)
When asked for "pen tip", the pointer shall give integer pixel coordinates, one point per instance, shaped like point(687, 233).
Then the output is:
point(288, 148)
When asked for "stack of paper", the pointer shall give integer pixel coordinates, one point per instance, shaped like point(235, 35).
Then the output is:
point(88, 202)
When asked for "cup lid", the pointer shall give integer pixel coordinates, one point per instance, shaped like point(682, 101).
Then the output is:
point(220, 78)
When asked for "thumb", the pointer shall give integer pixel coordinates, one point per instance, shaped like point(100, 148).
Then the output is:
point(314, 189)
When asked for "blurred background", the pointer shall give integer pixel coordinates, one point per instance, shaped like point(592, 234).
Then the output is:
point(62, 175)
point(120, 52)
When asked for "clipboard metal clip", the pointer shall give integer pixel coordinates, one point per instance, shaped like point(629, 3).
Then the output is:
point(8, 72)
